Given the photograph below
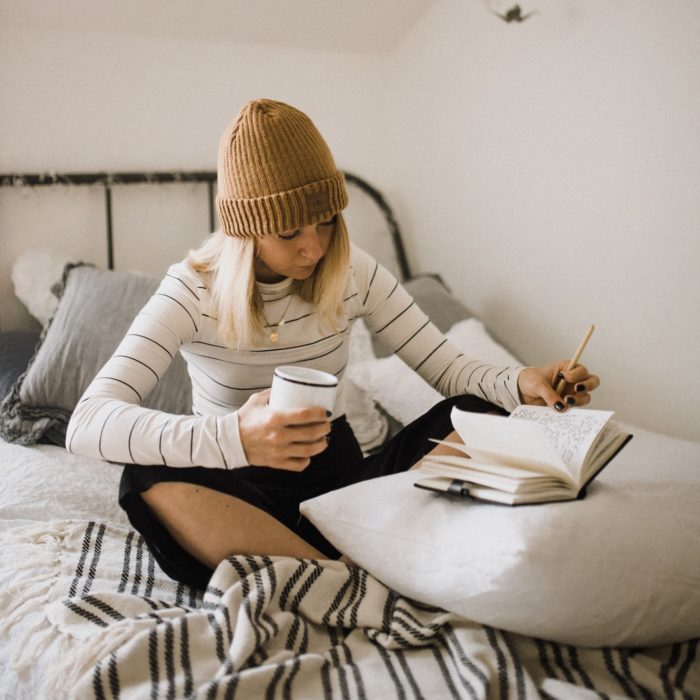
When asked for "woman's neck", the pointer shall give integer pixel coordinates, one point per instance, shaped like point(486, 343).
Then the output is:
point(265, 274)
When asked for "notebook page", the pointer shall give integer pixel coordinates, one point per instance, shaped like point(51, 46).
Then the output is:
point(571, 433)
point(517, 443)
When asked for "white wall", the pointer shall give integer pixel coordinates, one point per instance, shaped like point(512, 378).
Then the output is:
point(82, 101)
point(550, 170)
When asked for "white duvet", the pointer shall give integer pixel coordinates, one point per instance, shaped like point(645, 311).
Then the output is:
point(48, 498)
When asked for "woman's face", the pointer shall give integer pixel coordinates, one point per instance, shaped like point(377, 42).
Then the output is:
point(293, 254)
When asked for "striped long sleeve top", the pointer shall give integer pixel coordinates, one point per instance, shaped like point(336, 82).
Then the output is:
point(109, 422)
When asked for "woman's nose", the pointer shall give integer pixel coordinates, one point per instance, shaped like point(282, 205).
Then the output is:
point(311, 246)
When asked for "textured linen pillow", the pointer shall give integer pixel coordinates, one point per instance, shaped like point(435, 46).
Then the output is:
point(619, 568)
point(95, 309)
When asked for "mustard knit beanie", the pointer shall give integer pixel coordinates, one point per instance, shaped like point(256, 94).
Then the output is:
point(275, 172)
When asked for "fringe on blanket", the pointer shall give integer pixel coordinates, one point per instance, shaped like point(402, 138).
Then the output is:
point(35, 547)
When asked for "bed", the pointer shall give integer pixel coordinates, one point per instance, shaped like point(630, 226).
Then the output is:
point(597, 598)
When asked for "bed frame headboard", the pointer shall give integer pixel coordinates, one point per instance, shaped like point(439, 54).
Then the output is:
point(358, 188)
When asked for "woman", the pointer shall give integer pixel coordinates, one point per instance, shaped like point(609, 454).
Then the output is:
point(279, 284)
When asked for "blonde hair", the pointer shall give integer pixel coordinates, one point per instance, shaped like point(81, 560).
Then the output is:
point(236, 300)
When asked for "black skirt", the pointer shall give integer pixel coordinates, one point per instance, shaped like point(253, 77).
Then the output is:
point(279, 492)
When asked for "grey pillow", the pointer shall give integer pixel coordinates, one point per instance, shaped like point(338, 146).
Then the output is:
point(16, 349)
point(95, 310)
point(438, 303)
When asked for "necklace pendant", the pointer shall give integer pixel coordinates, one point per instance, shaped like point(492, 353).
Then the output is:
point(274, 336)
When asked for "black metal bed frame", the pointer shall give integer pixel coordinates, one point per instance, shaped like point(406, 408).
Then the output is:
point(110, 179)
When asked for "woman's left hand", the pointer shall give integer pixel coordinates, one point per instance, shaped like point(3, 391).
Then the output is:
point(537, 384)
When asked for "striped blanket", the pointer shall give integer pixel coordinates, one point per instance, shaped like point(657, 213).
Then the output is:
point(91, 615)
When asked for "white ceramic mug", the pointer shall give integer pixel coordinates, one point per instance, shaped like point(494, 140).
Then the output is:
point(302, 387)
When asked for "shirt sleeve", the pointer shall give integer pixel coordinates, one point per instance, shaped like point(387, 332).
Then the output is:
point(391, 313)
point(109, 423)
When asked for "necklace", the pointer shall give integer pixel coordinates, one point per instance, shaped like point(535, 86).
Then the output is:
point(274, 333)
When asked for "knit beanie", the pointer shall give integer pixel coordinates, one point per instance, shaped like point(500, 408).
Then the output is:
point(275, 172)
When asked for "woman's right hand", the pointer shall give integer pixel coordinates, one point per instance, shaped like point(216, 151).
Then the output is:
point(281, 439)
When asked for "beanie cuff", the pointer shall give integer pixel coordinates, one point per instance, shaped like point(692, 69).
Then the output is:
point(283, 211)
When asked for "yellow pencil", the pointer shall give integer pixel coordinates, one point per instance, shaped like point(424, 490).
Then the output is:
point(576, 357)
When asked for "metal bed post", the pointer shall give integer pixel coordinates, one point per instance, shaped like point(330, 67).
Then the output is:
point(108, 180)
point(110, 238)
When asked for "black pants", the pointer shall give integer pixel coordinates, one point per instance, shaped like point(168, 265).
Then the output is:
point(279, 492)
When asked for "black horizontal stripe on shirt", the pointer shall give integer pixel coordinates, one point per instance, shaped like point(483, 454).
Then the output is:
point(219, 359)
point(442, 374)
point(185, 285)
point(459, 374)
point(413, 336)
point(292, 320)
point(401, 313)
point(505, 369)
point(102, 430)
point(429, 355)
point(227, 386)
point(394, 288)
point(211, 345)
point(516, 400)
point(211, 398)
point(478, 367)
point(145, 337)
point(369, 286)
point(160, 441)
point(121, 381)
point(179, 303)
point(303, 345)
point(131, 432)
point(329, 352)
point(216, 440)
point(129, 357)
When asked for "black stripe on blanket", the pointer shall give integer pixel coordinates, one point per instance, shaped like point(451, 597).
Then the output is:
point(292, 628)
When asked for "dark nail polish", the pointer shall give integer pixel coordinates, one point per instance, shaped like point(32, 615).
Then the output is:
point(559, 406)
point(560, 375)
point(329, 414)
point(580, 388)
point(570, 400)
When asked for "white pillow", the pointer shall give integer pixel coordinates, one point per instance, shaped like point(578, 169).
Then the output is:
point(34, 272)
point(404, 394)
point(368, 423)
point(619, 568)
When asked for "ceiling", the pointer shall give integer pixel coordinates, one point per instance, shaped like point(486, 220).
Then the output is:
point(364, 26)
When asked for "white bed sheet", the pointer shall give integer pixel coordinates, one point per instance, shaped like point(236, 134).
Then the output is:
point(44, 487)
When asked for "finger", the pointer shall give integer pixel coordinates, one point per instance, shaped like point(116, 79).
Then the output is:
point(587, 385)
point(306, 432)
point(577, 374)
point(550, 397)
point(294, 464)
point(305, 450)
point(259, 398)
point(303, 416)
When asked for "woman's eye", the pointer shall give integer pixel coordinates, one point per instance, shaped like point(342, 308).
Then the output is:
point(288, 236)
point(327, 224)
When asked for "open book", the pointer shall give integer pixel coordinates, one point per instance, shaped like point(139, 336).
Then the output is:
point(535, 455)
